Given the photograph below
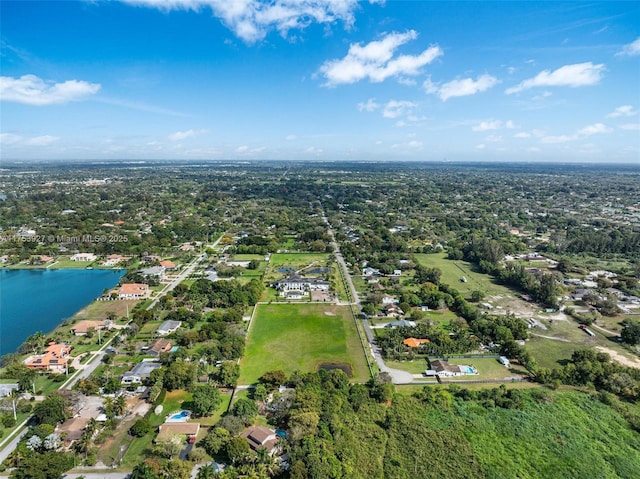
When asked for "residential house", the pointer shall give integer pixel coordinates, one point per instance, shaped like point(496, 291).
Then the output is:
point(414, 342)
point(168, 265)
point(386, 299)
point(442, 368)
point(159, 346)
point(370, 272)
point(140, 372)
point(392, 311)
point(401, 323)
point(258, 436)
point(133, 291)
point(54, 358)
point(114, 259)
point(156, 272)
point(168, 327)
point(169, 429)
point(72, 429)
point(84, 257)
point(85, 326)
point(7, 388)
point(295, 282)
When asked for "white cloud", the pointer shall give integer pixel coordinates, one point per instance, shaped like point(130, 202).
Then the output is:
point(370, 105)
point(522, 134)
point(461, 87)
point(396, 108)
point(624, 110)
point(481, 146)
point(630, 50)
point(594, 129)
point(630, 126)
point(493, 138)
point(44, 140)
point(252, 20)
point(183, 135)
point(493, 125)
point(312, 150)
point(242, 149)
point(290, 137)
point(33, 90)
point(376, 61)
point(576, 75)
point(487, 125)
point(9, 139)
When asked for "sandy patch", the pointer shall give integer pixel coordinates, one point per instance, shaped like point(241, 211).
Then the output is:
point(329, 313)
point(625, 361)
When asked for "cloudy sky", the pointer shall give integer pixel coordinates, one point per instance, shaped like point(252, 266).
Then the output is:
point(320, 79)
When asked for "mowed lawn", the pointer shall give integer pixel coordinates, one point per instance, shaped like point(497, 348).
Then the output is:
point(453, 271)
point(301, 337)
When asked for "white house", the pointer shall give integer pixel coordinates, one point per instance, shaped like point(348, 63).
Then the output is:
point(84, 257)
point(168, 327)
point(140, 372)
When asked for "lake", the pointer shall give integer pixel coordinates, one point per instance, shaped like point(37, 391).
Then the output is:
point(39, 300)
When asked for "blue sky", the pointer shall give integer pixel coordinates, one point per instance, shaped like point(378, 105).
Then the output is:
point(322, 80)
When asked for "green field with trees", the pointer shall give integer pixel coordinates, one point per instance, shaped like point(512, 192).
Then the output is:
point(301, 337)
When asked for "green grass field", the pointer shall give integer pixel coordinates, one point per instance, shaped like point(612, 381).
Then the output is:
point(301, 337)
point(453, 271)
point(297, 260)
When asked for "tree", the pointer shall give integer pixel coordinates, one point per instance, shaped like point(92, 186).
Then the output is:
point(206, 399)
point(47, 465)
point(273, 379)
point(238, 449)
point(477, 296)
point(260, 393)
point(143, 471)
point(228, 374)
point(50, 411)
point(245, 409)
point(140, 428)
point(175, 469)
point(216, 440)
point(631, 331)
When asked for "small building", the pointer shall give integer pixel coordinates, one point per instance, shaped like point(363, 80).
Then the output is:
point(168, 430)
point(159, 346)
point(140, 372)
point(504, 361)
point(133, 291)
point(401, 323)
point(54, 358)
point(7, 388)
point(156, 272)
point(295, 282)
point(386, 299)
point(168, 265)
point(81, 328)
point(84, 257)
point(168, 327)
point(414, 342)
point(258, 436)
point(442, 368)
point(72, 429)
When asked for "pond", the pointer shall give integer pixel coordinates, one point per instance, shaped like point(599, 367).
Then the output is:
point(319, 270)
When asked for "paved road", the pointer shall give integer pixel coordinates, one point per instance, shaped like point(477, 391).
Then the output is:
point(397, 376)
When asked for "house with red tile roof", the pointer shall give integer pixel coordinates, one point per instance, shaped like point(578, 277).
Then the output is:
point(415, 343)
point(168, 265)
point(54, 358)
point(258, 436)
point(133, 291)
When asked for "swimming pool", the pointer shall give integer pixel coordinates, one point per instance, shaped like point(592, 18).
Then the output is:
point(180, 416)
point(467, 369)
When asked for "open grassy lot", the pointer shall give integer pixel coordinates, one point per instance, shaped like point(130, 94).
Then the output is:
point(301, 336)
point(453, 271)
point(488, 368)
point(100, 309)
point(297, 260)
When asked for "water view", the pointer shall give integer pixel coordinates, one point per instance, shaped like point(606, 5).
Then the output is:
point(39, 300)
